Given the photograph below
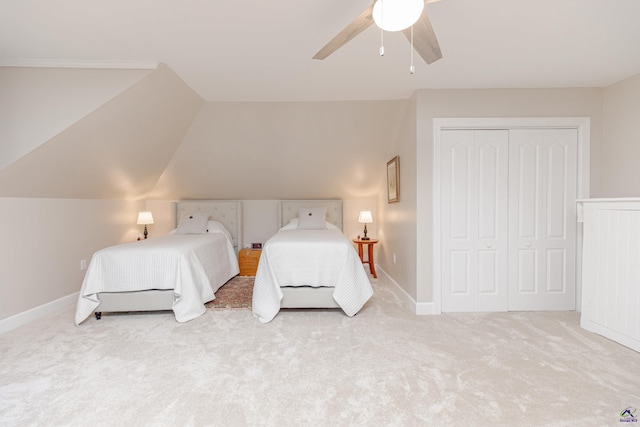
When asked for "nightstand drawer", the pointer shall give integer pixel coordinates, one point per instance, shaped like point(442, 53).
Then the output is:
point(248, 260)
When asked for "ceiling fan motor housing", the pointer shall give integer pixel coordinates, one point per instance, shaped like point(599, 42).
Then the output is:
point(397, 15)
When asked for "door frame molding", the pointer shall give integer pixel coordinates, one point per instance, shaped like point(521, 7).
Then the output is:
point(581, 124)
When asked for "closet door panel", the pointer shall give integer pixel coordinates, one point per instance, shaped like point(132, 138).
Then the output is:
point(459, 273)
point(488, 272)
point(492, 243)
point(542, 195)
point(458, 207)
point(527, 279)
point(473, 210)
point(526, 183)
point(556, 271)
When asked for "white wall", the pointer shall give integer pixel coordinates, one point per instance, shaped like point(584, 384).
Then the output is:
point(260, 220)
point(350, 213)
point(164, 216)
point(621, 140)
point(288, 150)
point(398, 220)
point(44, 240)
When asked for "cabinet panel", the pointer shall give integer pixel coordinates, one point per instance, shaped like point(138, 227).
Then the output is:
point(611, 271)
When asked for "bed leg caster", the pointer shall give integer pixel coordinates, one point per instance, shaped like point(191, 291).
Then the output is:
point(98, 315)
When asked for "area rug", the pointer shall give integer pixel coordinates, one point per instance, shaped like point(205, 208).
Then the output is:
point(236, 293)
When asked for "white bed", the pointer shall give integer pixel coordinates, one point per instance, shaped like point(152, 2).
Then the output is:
point(173, 272)
point(309, 268)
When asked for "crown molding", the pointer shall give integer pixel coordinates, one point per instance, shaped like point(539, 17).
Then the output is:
point(77, 63)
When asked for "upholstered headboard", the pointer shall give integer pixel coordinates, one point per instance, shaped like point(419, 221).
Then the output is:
point(227, 212)
point(289, 210)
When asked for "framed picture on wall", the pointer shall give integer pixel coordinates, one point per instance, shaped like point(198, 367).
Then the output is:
point(393, 180)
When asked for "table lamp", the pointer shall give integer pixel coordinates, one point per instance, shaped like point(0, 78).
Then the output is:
point(365, 218)
point(145, 218)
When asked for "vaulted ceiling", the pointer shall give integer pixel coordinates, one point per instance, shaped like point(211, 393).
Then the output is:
point(156, 138)
point(243, 50)
point(117, 151)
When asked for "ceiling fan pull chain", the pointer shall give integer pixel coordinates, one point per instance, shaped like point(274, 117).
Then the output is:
point(412, 69)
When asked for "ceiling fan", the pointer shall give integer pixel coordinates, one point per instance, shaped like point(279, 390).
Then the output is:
point(424, 38)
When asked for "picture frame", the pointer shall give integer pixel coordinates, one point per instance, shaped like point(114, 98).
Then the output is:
point(393, 180)
point(256, 246)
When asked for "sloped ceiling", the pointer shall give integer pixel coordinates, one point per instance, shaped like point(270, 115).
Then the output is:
point(250, 50)
point(285, 151)
point(38, 103)
point(116, 152)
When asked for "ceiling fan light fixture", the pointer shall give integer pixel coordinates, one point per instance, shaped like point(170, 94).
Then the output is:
point(397, 15)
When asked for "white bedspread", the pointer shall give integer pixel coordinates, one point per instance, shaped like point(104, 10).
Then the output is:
point(193, 265)
point(316, 258)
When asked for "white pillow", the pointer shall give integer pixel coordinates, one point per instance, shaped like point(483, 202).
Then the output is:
point(216, 227)
point(332, 227)
point(193, 223)
point(312, 218)
point(293, 224)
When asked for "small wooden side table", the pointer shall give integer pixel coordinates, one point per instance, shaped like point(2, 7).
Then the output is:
point(248, 260)
point(370, 243)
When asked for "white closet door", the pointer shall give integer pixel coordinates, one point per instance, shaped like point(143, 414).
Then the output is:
point(542, 209)
point(474, 166)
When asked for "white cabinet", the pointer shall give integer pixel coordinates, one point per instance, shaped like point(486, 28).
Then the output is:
point(611, 269)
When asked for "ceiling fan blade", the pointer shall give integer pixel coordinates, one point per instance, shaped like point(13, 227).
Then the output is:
point(357, 26)
point(424, 39)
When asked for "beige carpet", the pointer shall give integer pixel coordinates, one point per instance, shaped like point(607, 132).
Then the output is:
point(383, 367)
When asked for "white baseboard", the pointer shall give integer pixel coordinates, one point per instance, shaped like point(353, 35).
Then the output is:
point(617, 336)
point(425, 308)
point(419, 308)
point(53, 307)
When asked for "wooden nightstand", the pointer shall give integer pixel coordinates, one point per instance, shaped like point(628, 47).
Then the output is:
point(369, 260)
point(248, 260)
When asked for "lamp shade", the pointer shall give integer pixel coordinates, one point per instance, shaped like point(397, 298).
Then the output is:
point(365, 217)
point(145, 218)
point(397, 15)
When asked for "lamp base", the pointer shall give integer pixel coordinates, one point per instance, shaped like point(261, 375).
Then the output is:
point(365, 232)
point(365, 238)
